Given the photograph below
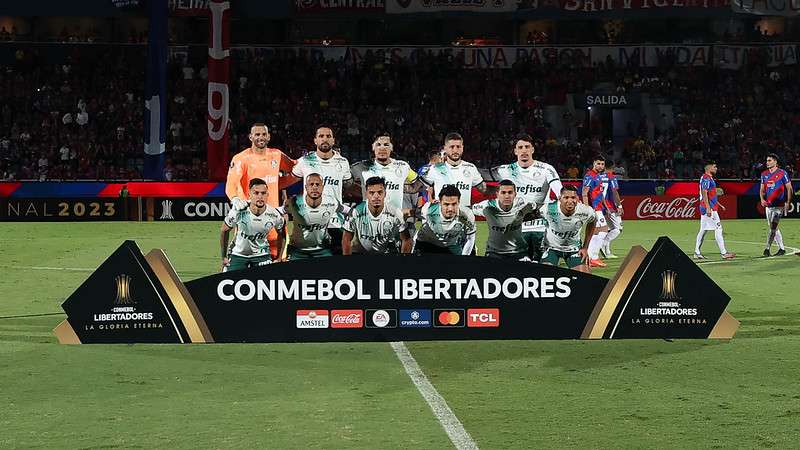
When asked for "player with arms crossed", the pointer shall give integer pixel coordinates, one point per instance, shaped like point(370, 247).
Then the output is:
point(709, 218)
point(504, 216)
point(399, 176)
point(375, 227)
point(335, 171)
point(312, 215)
point(595, 182)
point(534, 181)
point(259, 161)
point(253, 224)
point(454, 170)
point(614, 211)
point(776, 196)
point(447, 227)
point(565, 220)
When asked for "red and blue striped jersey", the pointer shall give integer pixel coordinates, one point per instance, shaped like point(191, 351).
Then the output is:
point(612, 185)
point(775, 186)
point(708, 184)
point(597, 184)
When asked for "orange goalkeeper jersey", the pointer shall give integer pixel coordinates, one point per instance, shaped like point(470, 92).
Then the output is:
point(248, 164)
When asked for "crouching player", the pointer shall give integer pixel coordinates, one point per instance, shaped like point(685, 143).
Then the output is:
point(375, 227)
point(504, 216)
point(253, 224)
point(447, 227)
point(312, 214)
point(565, 220)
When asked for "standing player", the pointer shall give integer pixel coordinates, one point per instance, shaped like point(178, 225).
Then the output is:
point(504, 216)
point(776, 196)
point(375, 227)
point(311, 215)
point(335, 171)
point(397, 174)
point(447, 227)
point(594, 183)
point(454, 170)
point(565, 220)
point(709, 218)
point(534, 181)
point(252, 224)
point(259, 161)
point(614, 211)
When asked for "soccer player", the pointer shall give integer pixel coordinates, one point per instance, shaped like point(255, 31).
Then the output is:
point(335, 171)
point(534, 181)
point(253, 224)
point(593, 195)
point(447, 227)
point(259, 161)
point(504, 216)
point(311, 215)
point(776, 196)
point(374, 226)
point(454, 170)
point(565, 220)
point(397, 174)
point(709, 218)
point(614, 211)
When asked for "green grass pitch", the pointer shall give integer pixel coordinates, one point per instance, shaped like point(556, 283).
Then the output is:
point(508, 394)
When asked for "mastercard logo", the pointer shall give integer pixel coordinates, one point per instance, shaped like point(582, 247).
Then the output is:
point(449, 317)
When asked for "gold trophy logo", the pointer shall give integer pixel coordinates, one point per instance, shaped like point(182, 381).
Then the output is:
point(123, 290)
point(668, 289)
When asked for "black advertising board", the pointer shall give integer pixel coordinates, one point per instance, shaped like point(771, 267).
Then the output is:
point(750, 208)
point(656, 294)
point(190, 208)
point(14, 209)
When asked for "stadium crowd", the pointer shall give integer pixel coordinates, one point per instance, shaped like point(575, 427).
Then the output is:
point(82, 119)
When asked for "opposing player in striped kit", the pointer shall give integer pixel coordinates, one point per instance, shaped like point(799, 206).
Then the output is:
point(776, 196)
point(595, 183)
point(447, 227)
point(709, 217)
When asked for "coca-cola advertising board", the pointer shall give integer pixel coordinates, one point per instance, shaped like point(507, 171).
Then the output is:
point(663, 207)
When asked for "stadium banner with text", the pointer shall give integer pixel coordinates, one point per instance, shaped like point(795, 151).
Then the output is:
point(784, 8)
point(430, 6)
point(666, 207)
point(218, 95)
point(62, 209)
point(135, 298)
point(316, 6)
point(574, 9)
point(750, 208)
point(505, 57)
point(188, 208)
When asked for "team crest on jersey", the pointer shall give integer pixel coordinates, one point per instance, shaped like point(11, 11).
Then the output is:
point(466, 172)
point(398, 171)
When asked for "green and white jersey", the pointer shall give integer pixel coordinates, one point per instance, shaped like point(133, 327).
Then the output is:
point(505, 227)
point(564, 232)
point(252, 230)
point(449, 233)
point(396, 174)
point(464, 176)
point(534, 184)
point(334, 172)
point(310, 230)
point(375, 234)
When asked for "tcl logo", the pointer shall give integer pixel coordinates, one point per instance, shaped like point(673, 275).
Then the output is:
point(483, 317)
point(347, 318)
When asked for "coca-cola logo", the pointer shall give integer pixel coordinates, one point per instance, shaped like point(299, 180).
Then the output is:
point(675, 208)
point(347, 318)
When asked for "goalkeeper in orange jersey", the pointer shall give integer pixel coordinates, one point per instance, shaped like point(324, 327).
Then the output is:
point(259, 161)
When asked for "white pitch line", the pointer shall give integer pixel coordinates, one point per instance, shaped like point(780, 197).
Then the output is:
point(791, 251)
point(452, 426)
